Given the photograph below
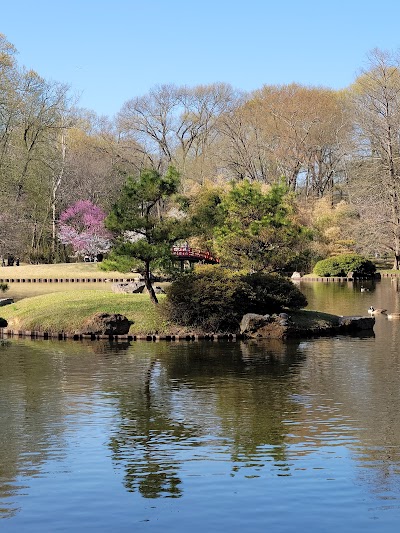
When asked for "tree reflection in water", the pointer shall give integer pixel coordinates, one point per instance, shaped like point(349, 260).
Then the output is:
point(146, 433)
point(235, 396)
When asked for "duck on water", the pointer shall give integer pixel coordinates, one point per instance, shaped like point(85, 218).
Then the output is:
point(373, 311)
point(377, 311)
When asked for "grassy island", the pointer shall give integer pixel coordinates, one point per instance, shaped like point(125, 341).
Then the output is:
point(67, 311)
point(68, 308)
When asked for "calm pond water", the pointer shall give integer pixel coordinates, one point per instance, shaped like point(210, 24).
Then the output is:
point(212, 436)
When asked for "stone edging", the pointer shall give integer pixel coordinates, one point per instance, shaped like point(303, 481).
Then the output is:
point(65, 280)
point(9, 333)
point(335, 278)
point(126, 280)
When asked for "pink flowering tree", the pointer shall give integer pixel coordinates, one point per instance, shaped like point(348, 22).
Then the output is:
point(82, 226)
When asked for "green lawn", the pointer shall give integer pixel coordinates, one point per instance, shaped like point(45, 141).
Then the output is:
point(66, 311)
point(60, 271)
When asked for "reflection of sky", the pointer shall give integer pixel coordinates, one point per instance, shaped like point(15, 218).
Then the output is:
point(84, 489)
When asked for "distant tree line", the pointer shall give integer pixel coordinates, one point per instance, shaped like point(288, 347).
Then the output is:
point(336, 152)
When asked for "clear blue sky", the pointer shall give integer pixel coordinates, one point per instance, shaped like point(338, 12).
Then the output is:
point(109, 51)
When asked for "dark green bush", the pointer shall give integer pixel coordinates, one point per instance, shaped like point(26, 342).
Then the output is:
point(3, 287)
point(212, 298)
point(271, 293)
point(341, 265)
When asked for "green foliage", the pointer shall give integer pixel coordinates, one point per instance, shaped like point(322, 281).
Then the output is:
point(215, 299)
point(273, 292)
point(204, 214)
point(120, 263)
point(302, 262)
point(340, 265)
point(145, 229)
point(3, 287)
point(138, 208)
point(259, 230)
point(333, 227)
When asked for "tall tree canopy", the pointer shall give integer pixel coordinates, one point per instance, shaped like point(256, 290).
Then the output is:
point(375, 168)
point(259, 229)
point(144, 227)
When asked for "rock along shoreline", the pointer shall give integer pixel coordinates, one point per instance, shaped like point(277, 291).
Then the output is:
point(281, 326)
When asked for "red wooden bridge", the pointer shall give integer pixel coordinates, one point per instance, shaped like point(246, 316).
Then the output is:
point(193, 255)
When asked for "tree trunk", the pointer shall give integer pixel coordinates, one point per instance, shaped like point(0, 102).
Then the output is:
point(148, 284)
point(396, 262)
point(55, 186)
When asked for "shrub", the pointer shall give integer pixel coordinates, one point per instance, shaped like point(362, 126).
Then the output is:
point(215, 299)
point(3, 287)
point(340, 265)
point(272, 293)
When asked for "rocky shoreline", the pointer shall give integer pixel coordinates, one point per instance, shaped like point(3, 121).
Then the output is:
point(282, 326)
point(286, 326)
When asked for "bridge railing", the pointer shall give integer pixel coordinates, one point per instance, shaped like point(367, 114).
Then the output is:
point(195, 253)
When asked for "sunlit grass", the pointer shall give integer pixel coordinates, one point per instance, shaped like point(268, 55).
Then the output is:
point(59, 271)
point(66, 311)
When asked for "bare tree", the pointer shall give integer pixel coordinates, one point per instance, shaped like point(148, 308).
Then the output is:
point(376, 169)
point(174, 125)
point(307, 127)
point(287, 131)
point(247, 153)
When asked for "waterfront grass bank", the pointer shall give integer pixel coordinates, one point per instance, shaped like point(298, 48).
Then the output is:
point(64, 314)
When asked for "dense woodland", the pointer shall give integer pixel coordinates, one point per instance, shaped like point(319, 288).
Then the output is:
point(337, 153)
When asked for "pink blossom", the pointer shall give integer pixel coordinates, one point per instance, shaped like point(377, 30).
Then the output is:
point(82, 226)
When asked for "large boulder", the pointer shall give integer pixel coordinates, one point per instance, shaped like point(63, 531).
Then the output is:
point(265, 326)
point(282, 326)
point(3, 323)
point(357, 323)
point(106, 324)
point(128, 287)
point(6, 301)
point(251, 322)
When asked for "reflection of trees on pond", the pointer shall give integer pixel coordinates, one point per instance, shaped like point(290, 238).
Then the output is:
point(237, 394)
point(33, 376)
point(355, 391)
point(29, 430)
point(145, 439)
point(267, 385)
point(253, 388)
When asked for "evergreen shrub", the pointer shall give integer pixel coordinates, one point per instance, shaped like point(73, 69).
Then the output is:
point(215, 299)
point(272, 293)
point(3, 287)
point(341, 265)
